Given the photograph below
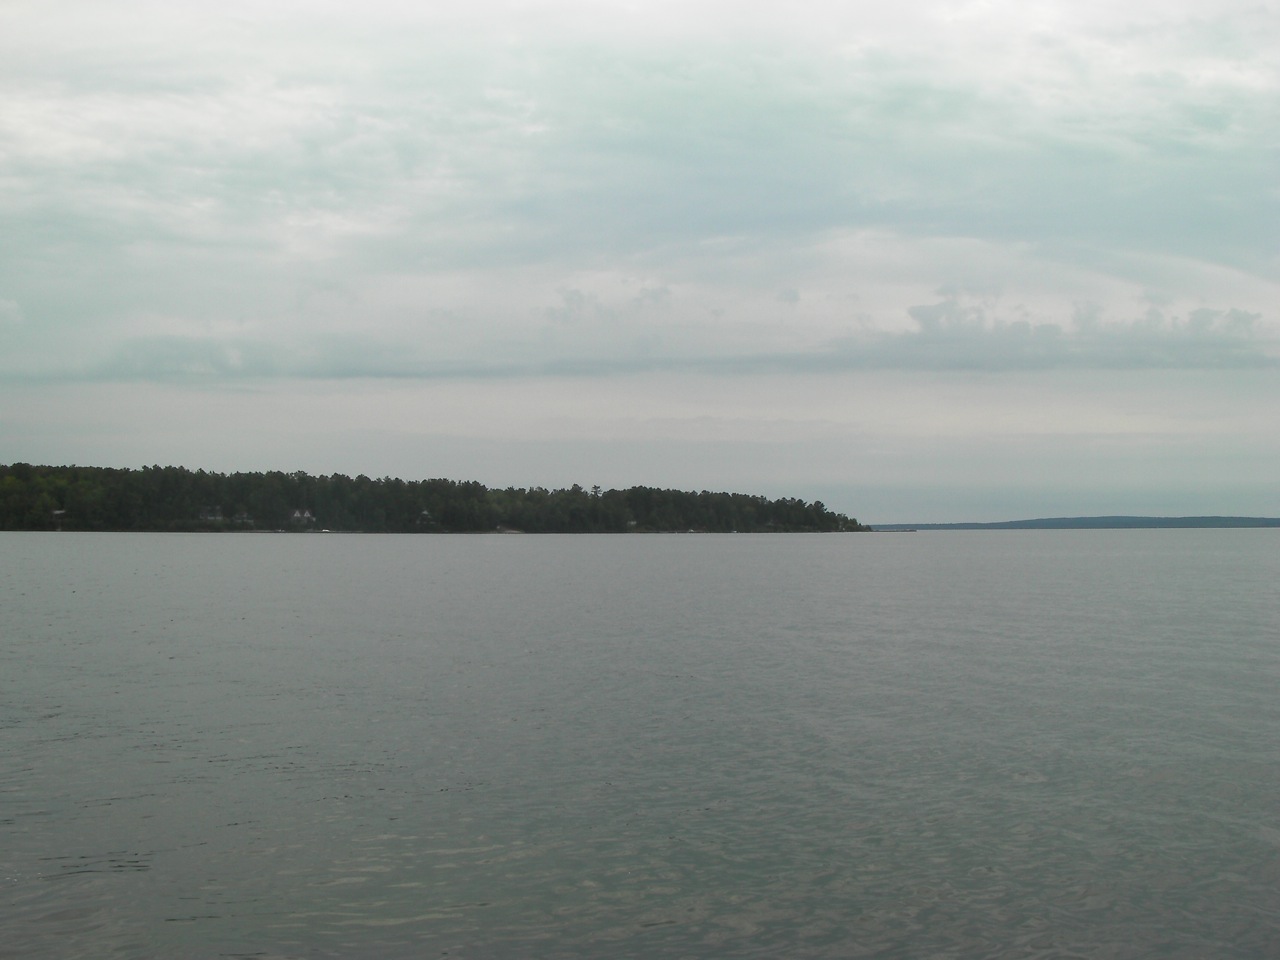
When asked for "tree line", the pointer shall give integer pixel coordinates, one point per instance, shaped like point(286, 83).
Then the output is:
point(159, 498)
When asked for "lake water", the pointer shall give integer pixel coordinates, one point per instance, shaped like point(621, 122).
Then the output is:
point(963, 744)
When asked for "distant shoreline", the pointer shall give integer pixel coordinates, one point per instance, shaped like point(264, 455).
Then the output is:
point(163, 499)
point(1092, 523)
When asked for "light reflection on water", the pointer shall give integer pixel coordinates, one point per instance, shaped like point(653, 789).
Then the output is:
point(954, 745)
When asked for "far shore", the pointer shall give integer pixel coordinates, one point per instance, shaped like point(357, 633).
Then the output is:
point(1090, 523)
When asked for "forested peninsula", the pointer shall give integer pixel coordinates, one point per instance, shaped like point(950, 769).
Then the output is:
point(177, 499)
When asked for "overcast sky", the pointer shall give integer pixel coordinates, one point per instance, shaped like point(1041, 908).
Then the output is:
point(924, 261)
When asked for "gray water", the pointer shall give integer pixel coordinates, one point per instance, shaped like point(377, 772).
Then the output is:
point(1002, 745)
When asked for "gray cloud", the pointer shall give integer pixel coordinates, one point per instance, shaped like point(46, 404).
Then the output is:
point(953, 338)
point(950, 337)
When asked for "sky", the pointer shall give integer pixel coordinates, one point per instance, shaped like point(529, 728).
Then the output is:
point(923, 261)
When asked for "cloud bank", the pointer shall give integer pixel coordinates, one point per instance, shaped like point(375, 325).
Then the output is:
point(236, 193)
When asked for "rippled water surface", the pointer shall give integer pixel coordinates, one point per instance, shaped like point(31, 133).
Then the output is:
point(962, 744)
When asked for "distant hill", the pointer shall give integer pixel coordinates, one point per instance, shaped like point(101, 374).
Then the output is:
point(1092, 523)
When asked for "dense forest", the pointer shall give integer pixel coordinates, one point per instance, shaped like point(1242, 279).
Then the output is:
point(175, 498)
